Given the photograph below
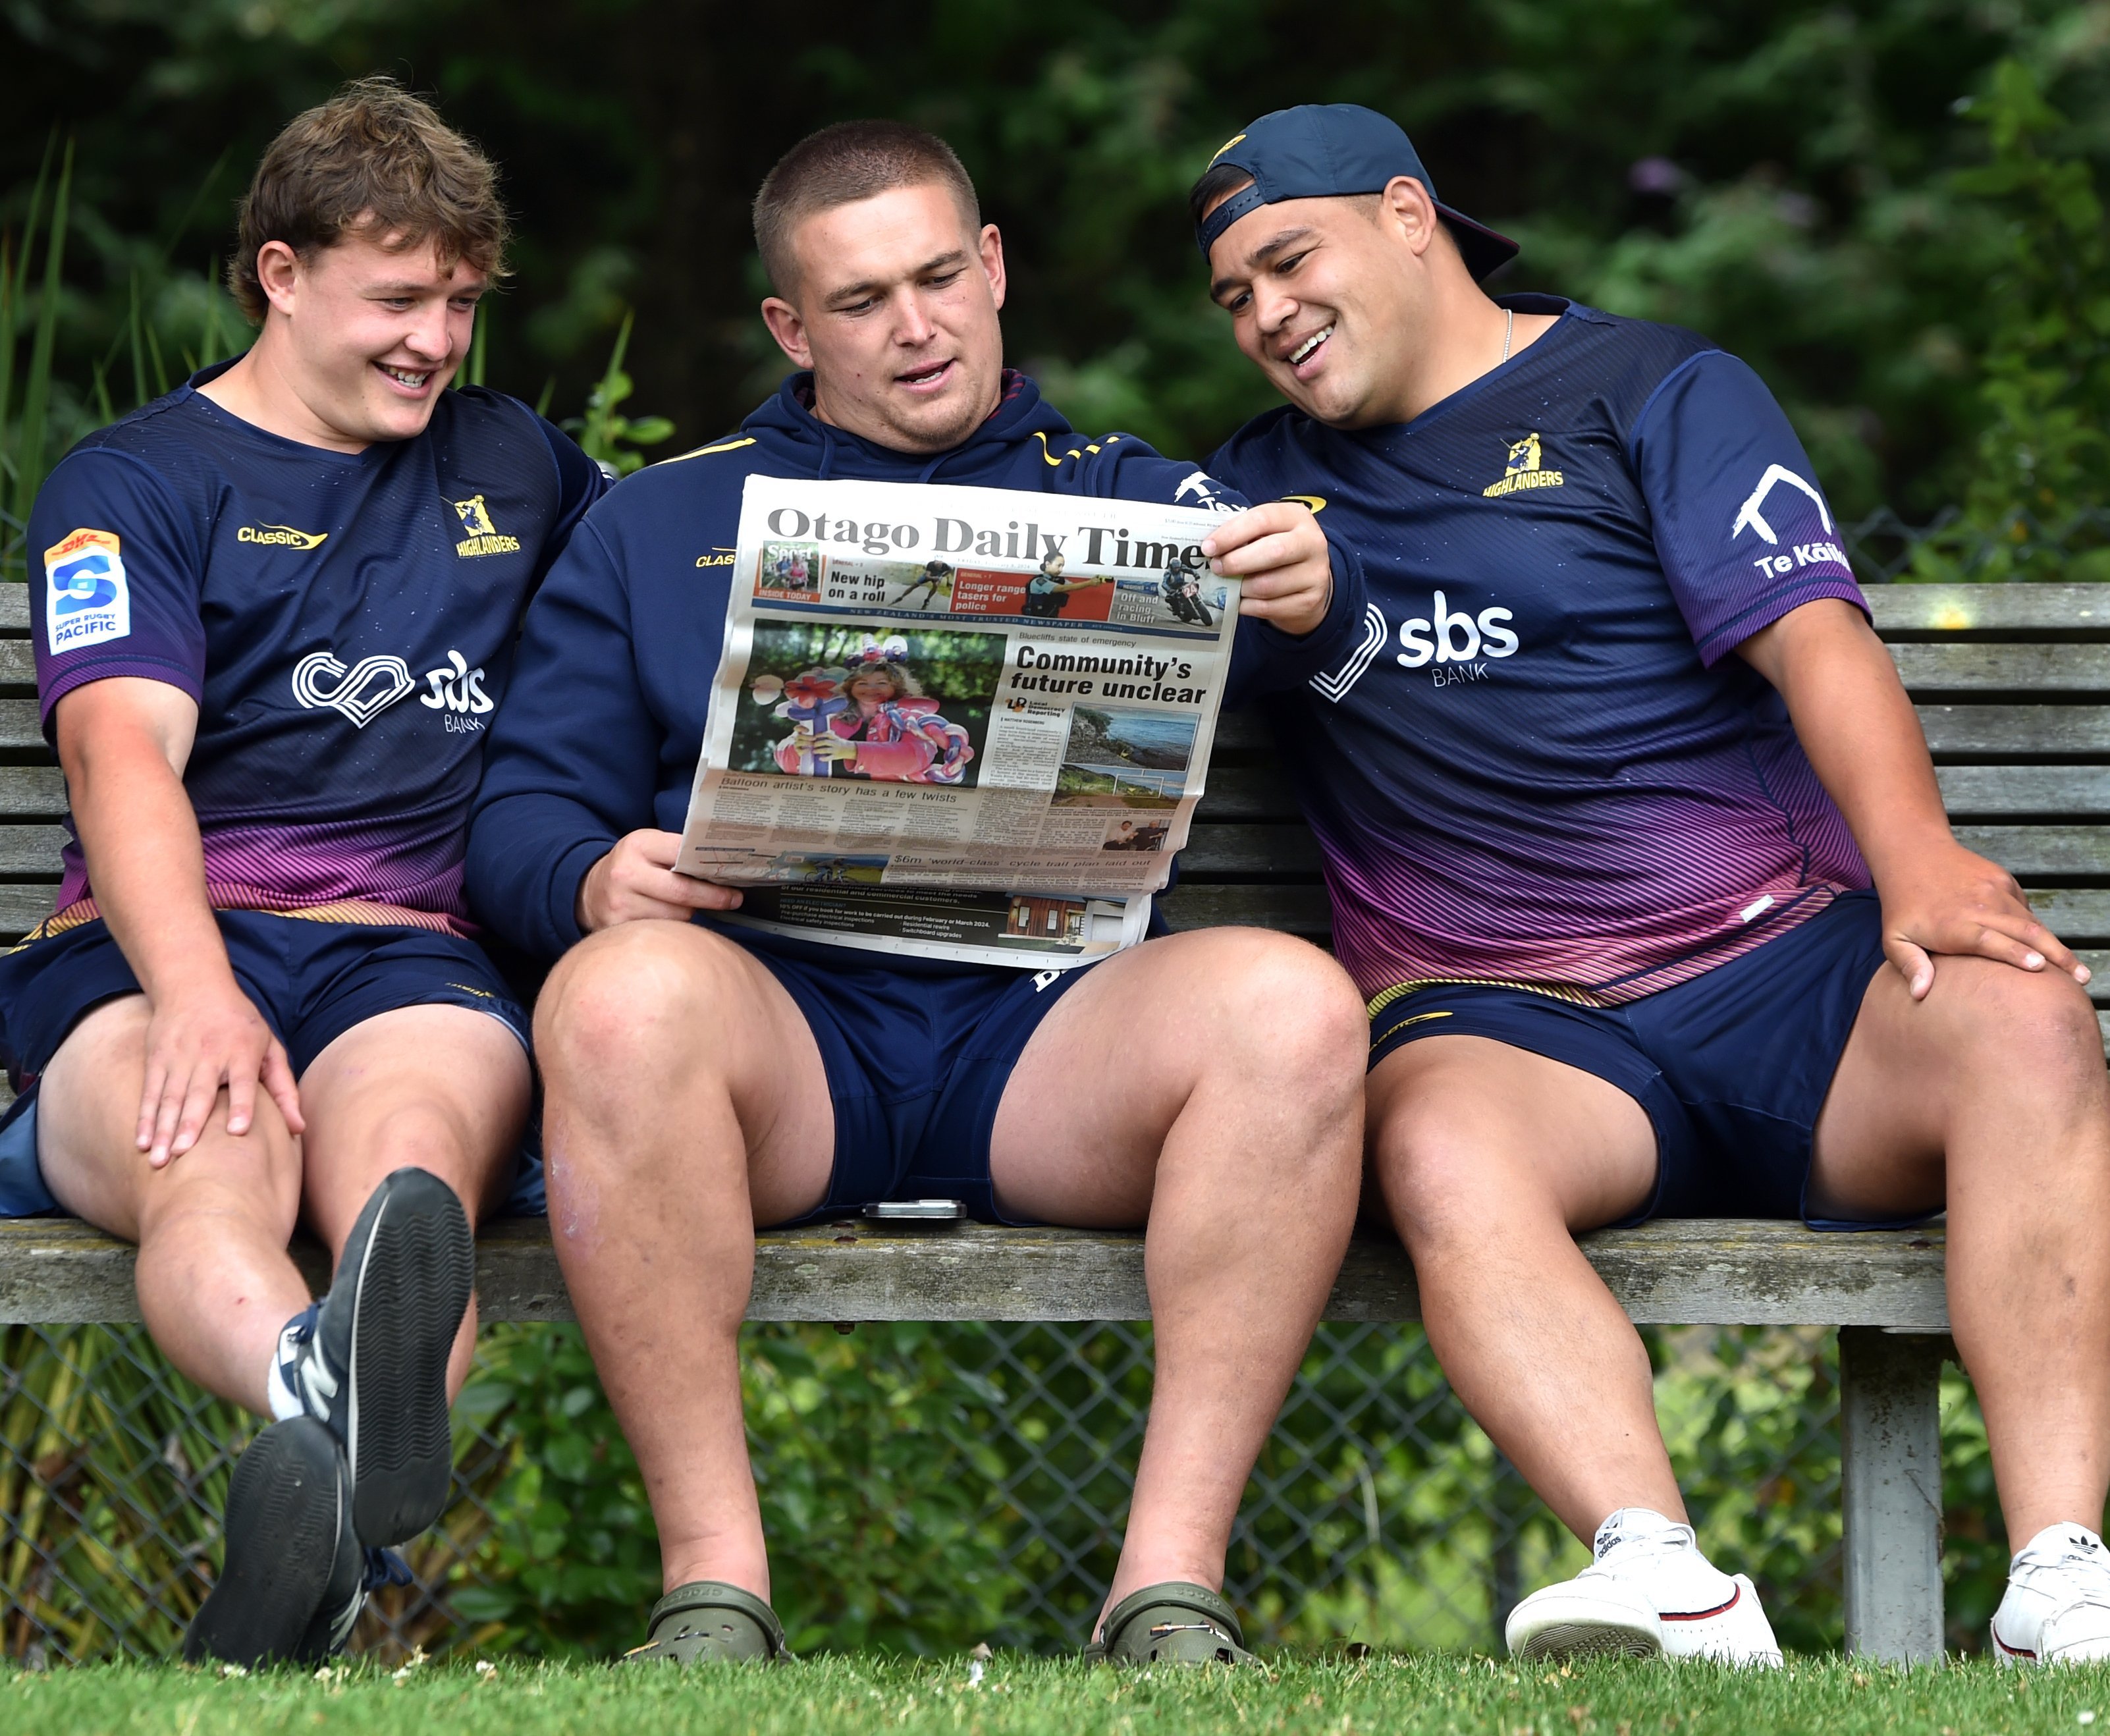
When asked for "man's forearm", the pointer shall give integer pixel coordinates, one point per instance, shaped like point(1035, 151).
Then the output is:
point(146, 867)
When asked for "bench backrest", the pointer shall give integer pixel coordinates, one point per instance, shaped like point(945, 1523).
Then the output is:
point(2011, 682)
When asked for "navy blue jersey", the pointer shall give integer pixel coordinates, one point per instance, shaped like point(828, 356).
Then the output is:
point(618, 657)
point(345, 620)
point(1541, 766)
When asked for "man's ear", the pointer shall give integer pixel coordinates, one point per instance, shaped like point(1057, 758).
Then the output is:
point(990, 245)
point(788, 327)
point(1405, 209)
point(278, 273)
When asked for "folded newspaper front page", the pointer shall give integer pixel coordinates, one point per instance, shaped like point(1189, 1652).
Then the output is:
point(967, 724)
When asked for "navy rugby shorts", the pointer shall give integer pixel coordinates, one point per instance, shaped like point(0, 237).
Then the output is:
point(312, 981)
point(917, 1059)
point(1732, 1067)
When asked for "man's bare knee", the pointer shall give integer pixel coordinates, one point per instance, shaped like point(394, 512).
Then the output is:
point(225, 1176)
point(1441, 1175)
point(1288, 1014)
point(2034, 1031)
point(630, 999)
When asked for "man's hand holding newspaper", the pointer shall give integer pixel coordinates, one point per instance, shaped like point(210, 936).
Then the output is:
point(1278, 554)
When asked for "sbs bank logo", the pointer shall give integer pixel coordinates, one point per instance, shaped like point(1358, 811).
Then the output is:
point(1449, 637)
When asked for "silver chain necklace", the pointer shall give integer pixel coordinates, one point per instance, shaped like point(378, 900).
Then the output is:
point(1509, 331)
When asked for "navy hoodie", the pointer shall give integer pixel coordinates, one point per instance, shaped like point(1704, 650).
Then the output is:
point(604, 718)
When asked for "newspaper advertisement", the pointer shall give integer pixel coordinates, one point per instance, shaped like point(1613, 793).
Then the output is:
point(964, 723)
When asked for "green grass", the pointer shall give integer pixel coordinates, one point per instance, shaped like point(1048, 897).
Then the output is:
point(1394, 1696)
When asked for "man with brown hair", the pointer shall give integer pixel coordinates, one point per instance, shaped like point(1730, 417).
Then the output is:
point(276, 617)
point(703, 1078)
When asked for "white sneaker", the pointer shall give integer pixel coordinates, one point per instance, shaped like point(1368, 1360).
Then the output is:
point(2057, 1610)
point(1648, 1592)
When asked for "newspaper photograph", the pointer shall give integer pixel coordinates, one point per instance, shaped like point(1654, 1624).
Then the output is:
point(965, 723)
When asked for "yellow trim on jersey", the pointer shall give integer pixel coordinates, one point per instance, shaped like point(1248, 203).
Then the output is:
point(1400, 990)
point(705, 451)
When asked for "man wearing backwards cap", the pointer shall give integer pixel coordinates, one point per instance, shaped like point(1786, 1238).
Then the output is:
point(1637, 855)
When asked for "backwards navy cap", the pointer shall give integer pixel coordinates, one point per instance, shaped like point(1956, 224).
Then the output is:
point(1324, 150)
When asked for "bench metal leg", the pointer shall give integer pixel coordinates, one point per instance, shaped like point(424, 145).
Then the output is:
point(1891, 1462)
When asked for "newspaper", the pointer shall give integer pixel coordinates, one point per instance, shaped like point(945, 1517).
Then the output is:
point(964, 724)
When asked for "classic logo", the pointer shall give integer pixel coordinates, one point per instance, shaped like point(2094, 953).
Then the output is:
point(484, 538)
point(1523, 471)
point(86, 599)
point(361, 692)
point(718, 557)
point(281, 537)
point(1316, 502)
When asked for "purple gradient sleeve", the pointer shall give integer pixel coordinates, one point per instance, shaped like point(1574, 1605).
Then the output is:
point(114, 580)
point(1743, 531)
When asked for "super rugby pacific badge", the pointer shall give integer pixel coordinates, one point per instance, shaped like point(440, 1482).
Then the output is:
point(86, 599)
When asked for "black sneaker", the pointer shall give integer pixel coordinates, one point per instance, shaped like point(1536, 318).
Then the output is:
point(370, 1359)
point(292, 1579)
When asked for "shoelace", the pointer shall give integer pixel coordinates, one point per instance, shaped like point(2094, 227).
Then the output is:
point(302, 1368)
point(385, 1567)
point(1642, 1549)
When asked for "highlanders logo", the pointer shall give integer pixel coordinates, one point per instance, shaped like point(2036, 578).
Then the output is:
point(1523, 471)
point(484, 536)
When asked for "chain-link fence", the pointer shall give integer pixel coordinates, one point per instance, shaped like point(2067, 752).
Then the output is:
point(1378, 1514)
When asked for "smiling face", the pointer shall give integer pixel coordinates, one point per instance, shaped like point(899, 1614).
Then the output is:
point(872, 688)
point(359, 340)
point(895, 309)
point(1330, 297)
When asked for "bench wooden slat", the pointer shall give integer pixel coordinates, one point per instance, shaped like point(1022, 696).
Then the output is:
point(2064, 792)
point(33, 789)
point(31, 849)
point(2018, 731)
point(2074, 852)
point(2075, 914)
point(14, 609)
point(1963, 609)
point(1283, 851)
point(2004, 669)
point(1726, 1272)
point(1295, 909)
point(19, 732)
point(24, 906)
point(18, 663)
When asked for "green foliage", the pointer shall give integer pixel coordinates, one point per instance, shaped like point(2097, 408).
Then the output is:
point(1778, 174)
point(872, 1457)
point(2038, 505)
point(604, 432)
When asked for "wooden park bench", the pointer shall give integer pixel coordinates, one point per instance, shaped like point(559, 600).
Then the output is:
point(2012, 685)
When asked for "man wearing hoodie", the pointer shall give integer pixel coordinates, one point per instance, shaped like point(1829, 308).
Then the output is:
point(703, 1080)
